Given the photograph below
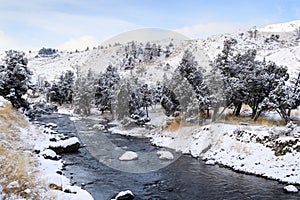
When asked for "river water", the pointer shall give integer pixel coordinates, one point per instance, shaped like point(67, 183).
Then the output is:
point(185, 179)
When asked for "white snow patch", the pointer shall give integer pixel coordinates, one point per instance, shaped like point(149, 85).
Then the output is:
point(290, 188)
point(165, 155)
point(65, 143)
point(210, 162)
point(48, 153)
point(128, 155)
point(14, 184)
point(123, 193)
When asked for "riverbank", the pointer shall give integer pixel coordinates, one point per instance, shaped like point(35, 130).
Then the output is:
point(269, 151)
point(29, 169)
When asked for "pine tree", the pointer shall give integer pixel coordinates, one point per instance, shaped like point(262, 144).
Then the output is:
point(190, 70)
point(15, 78)
point(105, 88)
point(84, 92)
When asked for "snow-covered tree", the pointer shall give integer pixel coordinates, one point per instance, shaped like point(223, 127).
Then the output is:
point(84, 93)
point(170, 102)
point(190, 70)
point(105, 88)
point(62, 90)
point(15, 78)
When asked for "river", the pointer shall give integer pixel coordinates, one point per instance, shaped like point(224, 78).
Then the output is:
point(185, 179)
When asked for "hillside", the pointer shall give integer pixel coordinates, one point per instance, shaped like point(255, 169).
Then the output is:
point(283, 50)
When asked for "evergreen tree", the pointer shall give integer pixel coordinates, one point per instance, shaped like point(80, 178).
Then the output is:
point(15, 78)
point(84, 93)
point(190, 70)
point(105, 88)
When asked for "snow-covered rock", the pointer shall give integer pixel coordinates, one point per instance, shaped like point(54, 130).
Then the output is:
point(210, 162)
point(27, 191)
point(50, 154)
point(124, 195)
point(14, 184)
point(68, 145)
point(290, 188)
point(52, 125)
point(99, 127)
point(129, 155)
point(165, 155)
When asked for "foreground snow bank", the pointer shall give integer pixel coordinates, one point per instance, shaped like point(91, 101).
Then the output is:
point(51, 167)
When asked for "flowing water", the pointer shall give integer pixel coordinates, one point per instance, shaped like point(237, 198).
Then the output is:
point(187, 178)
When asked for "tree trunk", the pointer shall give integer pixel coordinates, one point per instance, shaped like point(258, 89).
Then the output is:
point(257, 115)
point(207, 114)
point(216, 110)
point(289, 112)
point(254, 111)
point(238, 109)
point(284, 115)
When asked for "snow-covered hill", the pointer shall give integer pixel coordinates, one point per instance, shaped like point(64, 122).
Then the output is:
point(282, 27)
point(277, 43)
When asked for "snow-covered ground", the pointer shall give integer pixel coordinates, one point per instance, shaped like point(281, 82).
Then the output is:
point(41, 166)
point(267, 151)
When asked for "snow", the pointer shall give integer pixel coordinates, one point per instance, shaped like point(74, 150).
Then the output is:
point(52, 125)
point(48, 153)
point(2, 100)
point(123, 193)
point(65, 143)
point(282, 27)
point(290, 188)
point(210, 162)
point(219, 145)
point(14, 184)
point(128, 155)
point(165, 155)
point(30, 138)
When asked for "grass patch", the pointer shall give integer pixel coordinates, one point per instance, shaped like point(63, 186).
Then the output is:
point(16, 164)
point(231, 119)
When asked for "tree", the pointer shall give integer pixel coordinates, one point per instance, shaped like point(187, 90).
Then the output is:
point(15, 78)
point(84, 92)
point(194, 75)
point(259, 84)
point(105, 88)
point(169, 102)
point(62, 90)
point(297, 31)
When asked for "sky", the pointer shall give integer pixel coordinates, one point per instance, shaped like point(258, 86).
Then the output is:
point(70, 24)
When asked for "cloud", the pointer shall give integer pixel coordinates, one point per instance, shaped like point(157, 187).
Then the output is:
point(205, 30)
point(6, 42)
point(80, 43)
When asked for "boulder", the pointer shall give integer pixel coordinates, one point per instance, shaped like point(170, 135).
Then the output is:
point(129, 155)
point(50, 154)
point(165, 155)
point(290, 189)
point(65, 146)
point(124, 195)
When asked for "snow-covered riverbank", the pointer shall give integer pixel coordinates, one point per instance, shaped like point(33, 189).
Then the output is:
point(29, 169)
point(271, 152)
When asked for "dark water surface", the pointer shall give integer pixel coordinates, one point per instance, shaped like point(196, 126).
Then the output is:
point(187, 178)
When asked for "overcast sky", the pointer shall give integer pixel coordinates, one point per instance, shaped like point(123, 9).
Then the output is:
point(65, 24)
